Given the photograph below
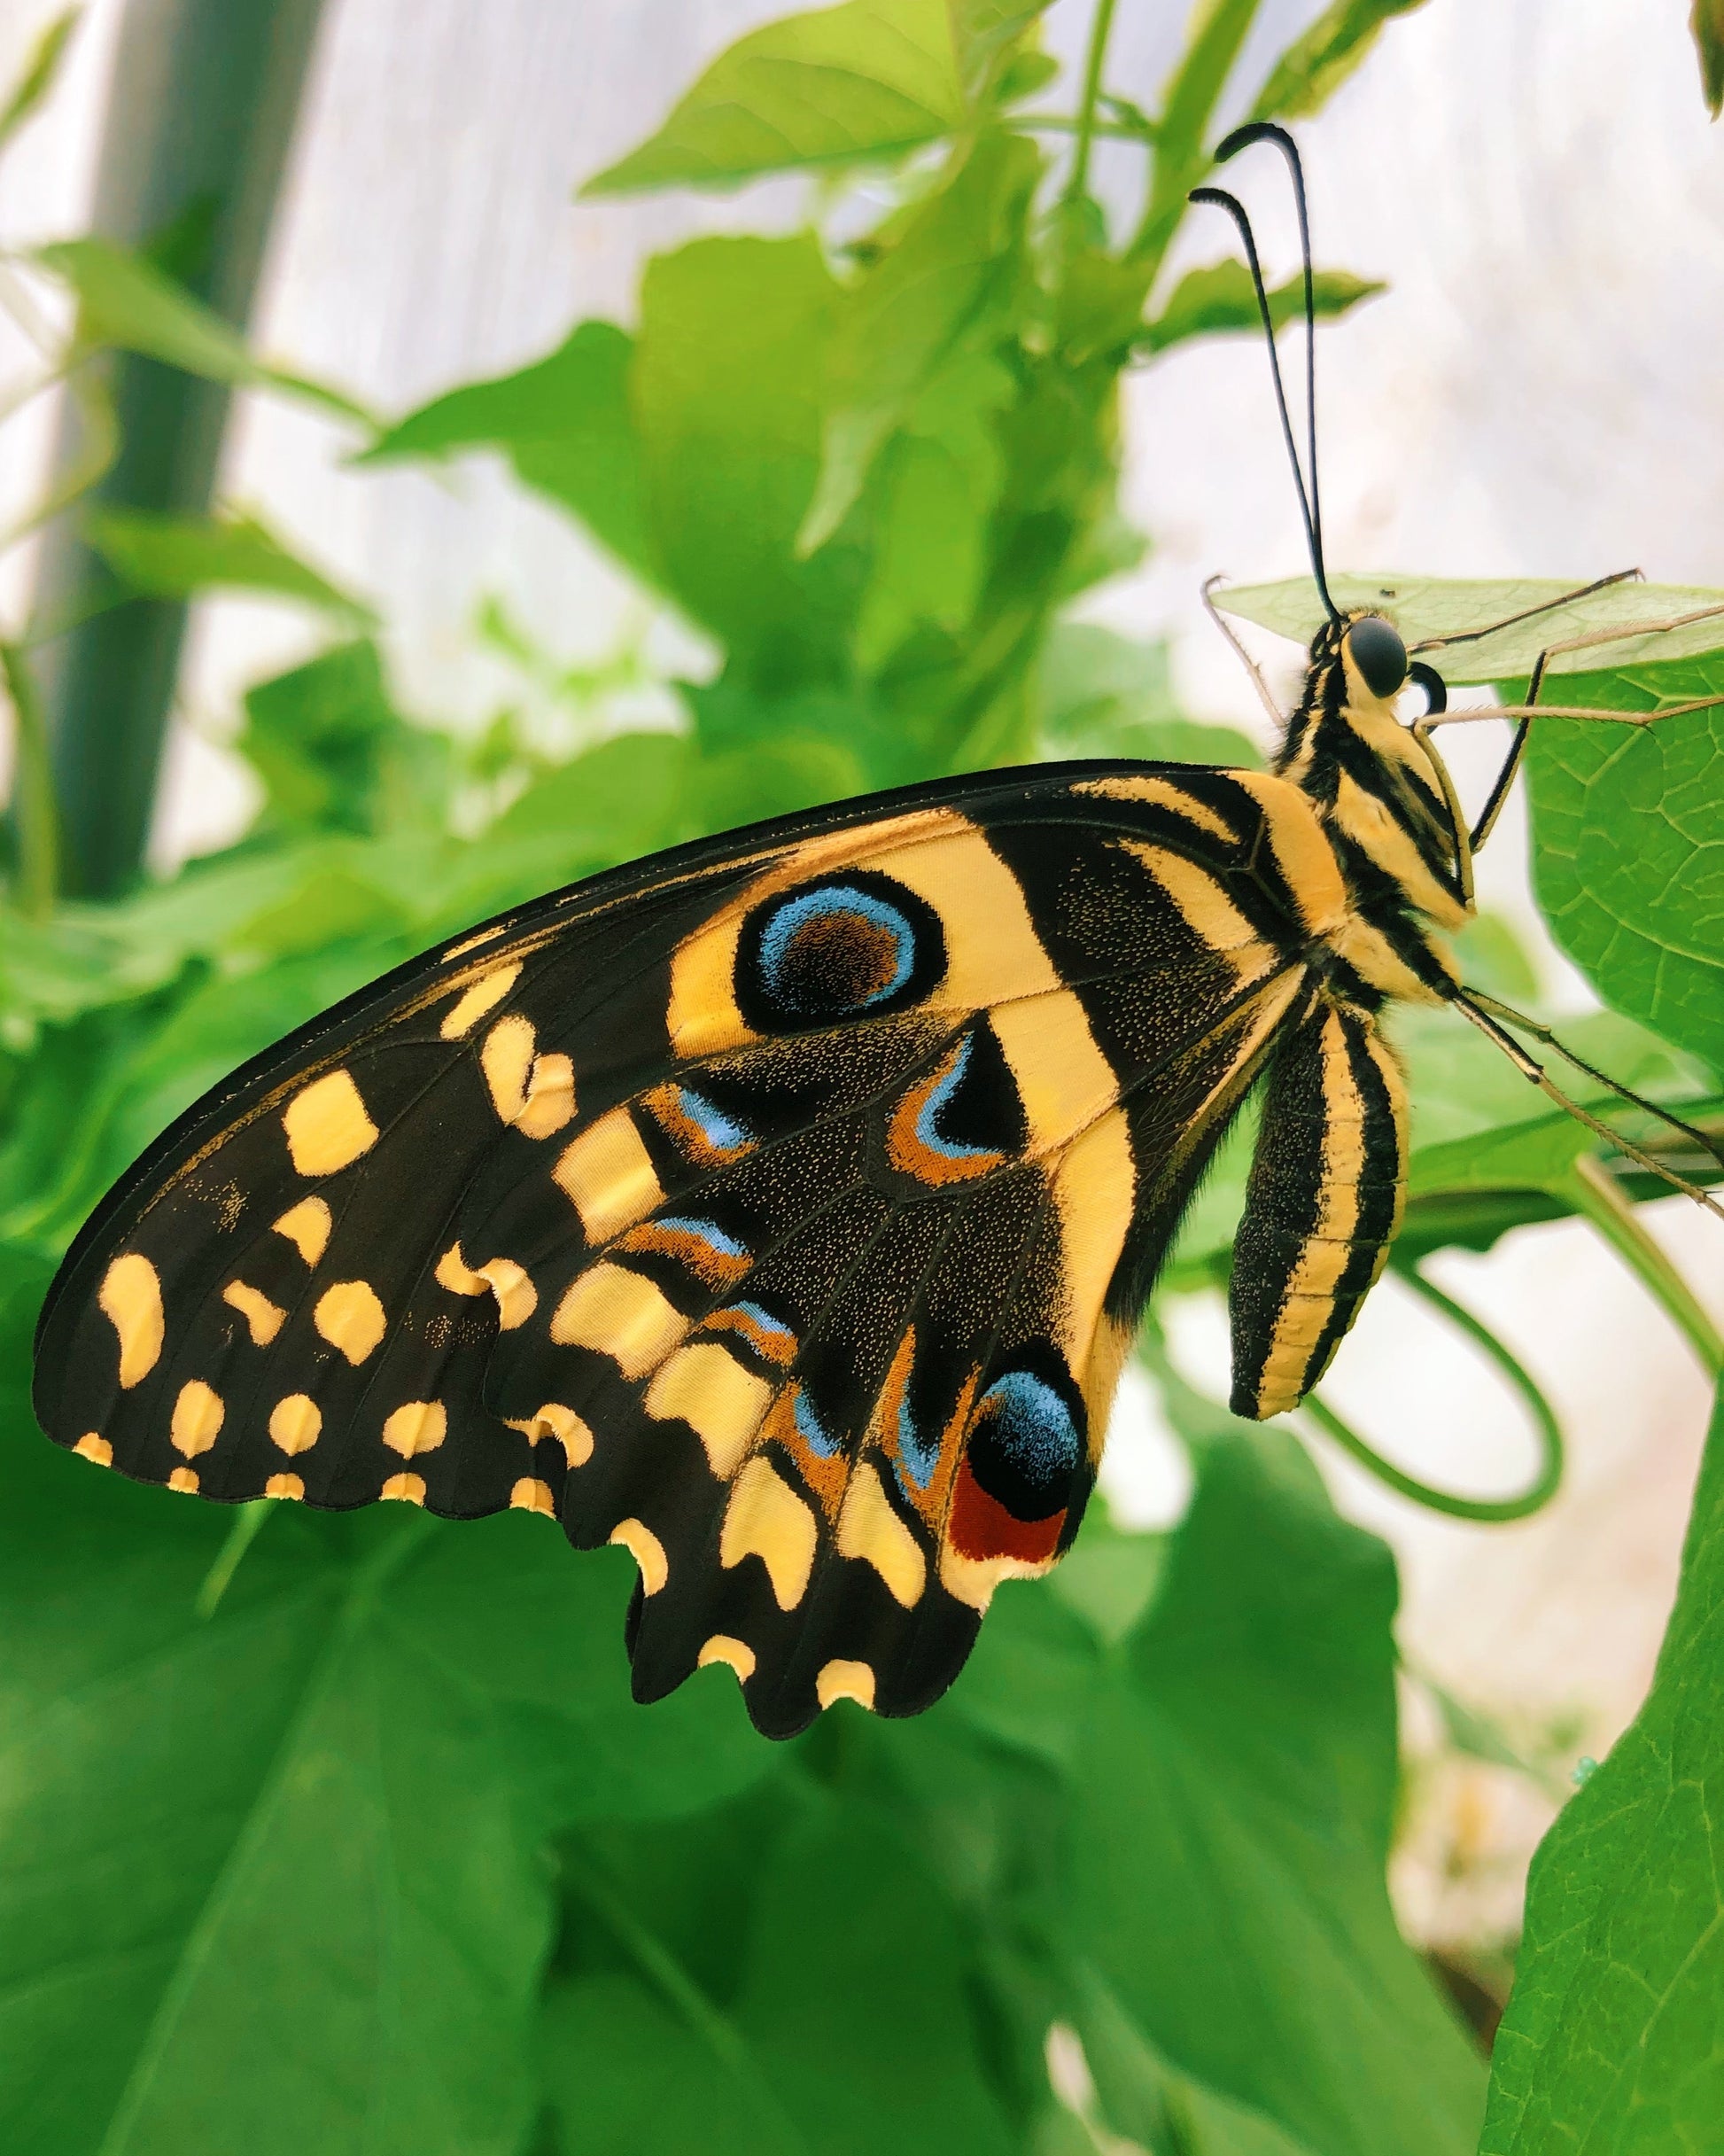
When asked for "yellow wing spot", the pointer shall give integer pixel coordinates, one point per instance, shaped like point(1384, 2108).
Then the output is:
point(94, 1448)
point(721, 1402)
point(479, 996)
point(472, 943)
point(404, 1489)
point(647, 1549)
point(506, 1059)
point(563, 1423)
point(550, 1101)
point(869, 1529)
point(845, 1680)
point(350, 1317)
point(295, 1422)
point(327, 1126)
point(1063, 1080)
point(283, 1486)
point(306, 1227)
point(516, 1296)
point(197, 1419)
point(418, 1425)
point(263, 1319)
point(530, 1496)
point(621, 1314)
point(766, 1519)
point(130, 1298)
point(609, 1175)
point(185, 1481)
point(735, 1653)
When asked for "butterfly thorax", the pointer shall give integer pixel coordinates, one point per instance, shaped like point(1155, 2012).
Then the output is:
point(1383, 805)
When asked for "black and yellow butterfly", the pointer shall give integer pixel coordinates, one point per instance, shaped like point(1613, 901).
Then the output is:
point(782, 1207)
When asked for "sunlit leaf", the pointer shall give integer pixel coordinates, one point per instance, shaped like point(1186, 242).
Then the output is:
point(1318, 61)
point(565, 424)
point(867, 78)
point(126, 301)
point(171, 557)
point(1614, 2034)
point(37, 77)
point(1706, 22)
point(1219, 300)
point(1432, 608)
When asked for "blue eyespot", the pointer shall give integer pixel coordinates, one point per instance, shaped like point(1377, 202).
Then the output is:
point(1025, 1444)
point(846, 946)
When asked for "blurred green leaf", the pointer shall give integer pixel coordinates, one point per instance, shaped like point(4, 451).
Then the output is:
point(1232, 1811)
point(566, 425)
point(1706, 22)
point(1219, 299)
point(334, 754)
point(804, 1985)
point(1614, 2034)
point(126, 301)
point(729, 394)
point(273, 1879)
point(1627, 861)
point(867, 79)
point(1425, 608)
point(1098, 694)
point(618, 799)
point(1318, 61)
point(38, 74)
point(946, 278)
point(173, 558)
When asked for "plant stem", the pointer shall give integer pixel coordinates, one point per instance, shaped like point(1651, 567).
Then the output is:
point(35, 815)
point(1101, 29)
point(1597, 1195)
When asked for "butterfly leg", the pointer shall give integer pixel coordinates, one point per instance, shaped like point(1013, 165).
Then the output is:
point(1322, 1205)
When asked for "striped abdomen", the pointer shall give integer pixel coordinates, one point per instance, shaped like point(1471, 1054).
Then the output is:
point(1322, 1205)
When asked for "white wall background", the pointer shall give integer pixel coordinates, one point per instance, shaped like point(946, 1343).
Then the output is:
point(1536, 393)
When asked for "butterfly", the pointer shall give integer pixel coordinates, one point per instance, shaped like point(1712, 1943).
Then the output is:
point(781, 1208)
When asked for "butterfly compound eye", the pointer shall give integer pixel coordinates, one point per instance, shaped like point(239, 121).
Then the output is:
point(1379, 655)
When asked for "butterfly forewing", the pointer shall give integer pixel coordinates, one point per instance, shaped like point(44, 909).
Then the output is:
point(779, 1209)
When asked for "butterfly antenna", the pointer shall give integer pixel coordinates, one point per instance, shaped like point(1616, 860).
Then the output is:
point(1309, 500)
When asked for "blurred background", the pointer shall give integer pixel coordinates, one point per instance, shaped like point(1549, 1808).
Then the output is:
point(1534, 393)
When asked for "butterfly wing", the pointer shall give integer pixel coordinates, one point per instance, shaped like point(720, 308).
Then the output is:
point(780, 1208)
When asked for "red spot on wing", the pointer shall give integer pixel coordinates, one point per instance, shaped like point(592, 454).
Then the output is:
point(981, 1527)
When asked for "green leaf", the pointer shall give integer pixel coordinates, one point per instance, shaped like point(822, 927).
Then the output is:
point(729, 394)
point(946, 280)
point(272, 1880)
point(564, 423)
point(1706, 22)
point(1423, 608)
point(333, 752)
point(864, 81)
point(171, 557)
point(1627, 859)
point(38, 75)
point(936, 488)
point(1219, 299)
point(618, 799)
point(126, 301)
point(1614, 2035)
point(1318, 62)
point(1231, 1815)
point(807, 1976)
point(1098, 694)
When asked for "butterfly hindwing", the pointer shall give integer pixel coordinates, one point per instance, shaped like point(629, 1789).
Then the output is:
point(779, 1209)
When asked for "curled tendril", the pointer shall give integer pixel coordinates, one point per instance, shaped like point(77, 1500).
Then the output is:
point(1489, 1511)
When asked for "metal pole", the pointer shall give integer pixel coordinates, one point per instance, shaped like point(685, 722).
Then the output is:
point(200, 117)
